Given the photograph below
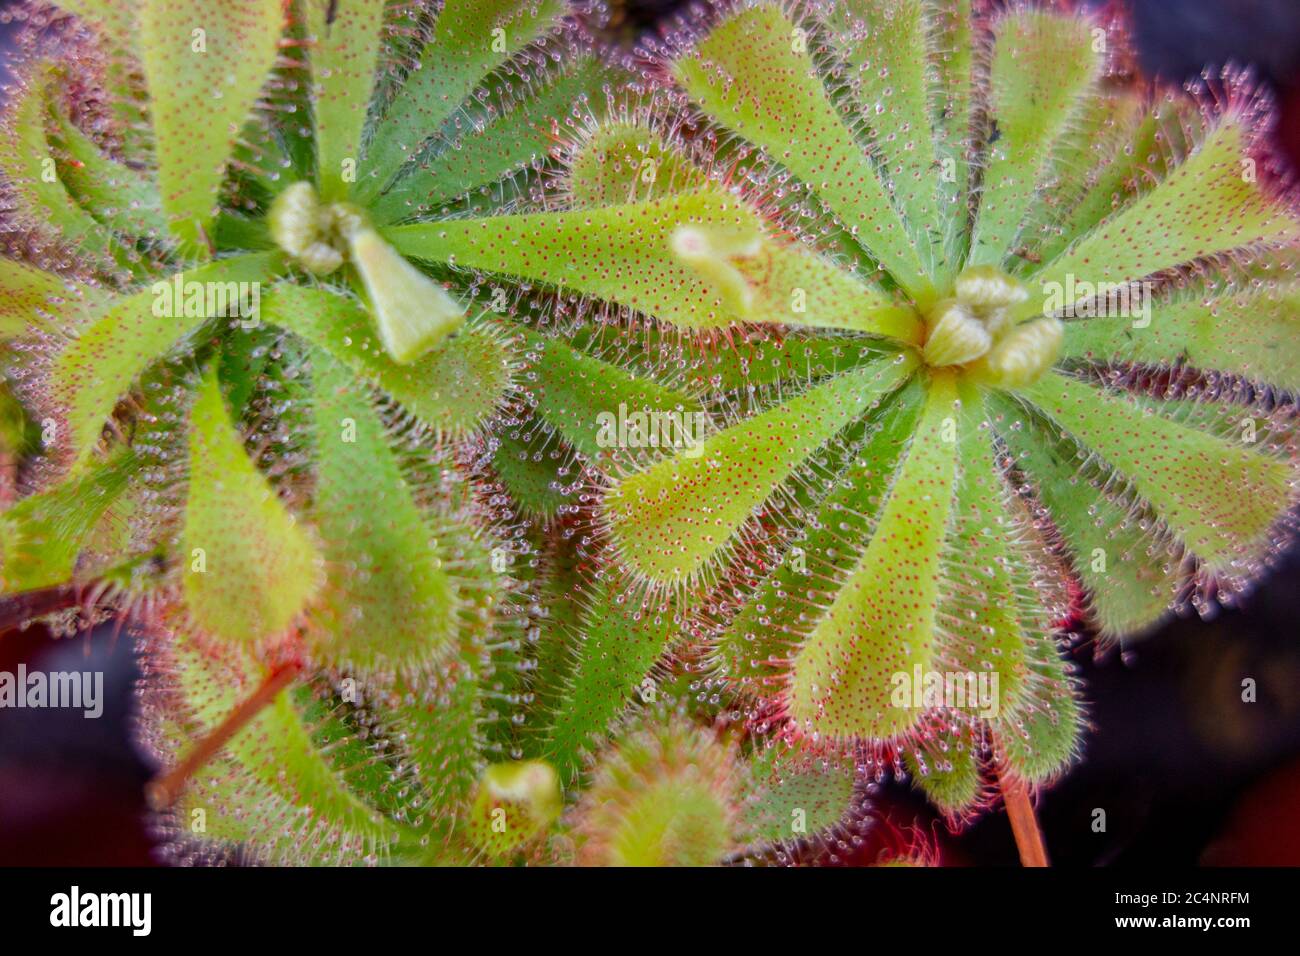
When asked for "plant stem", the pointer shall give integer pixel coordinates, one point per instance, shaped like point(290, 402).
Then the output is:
point(1024, 824)
point(19, 608)
point(163, 791)
point(8, 478)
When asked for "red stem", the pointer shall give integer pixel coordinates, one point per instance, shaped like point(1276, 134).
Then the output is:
point(16, 609)
point(164, 790)
point(1024, 824)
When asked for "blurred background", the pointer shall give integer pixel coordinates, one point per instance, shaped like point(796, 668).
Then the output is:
point(1185, 771)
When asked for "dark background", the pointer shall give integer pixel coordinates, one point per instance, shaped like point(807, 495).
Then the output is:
point(1185, 771)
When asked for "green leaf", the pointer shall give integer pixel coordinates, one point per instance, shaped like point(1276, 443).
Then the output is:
point(1044, 67)
point(236, 233)
point(247, 366)
point(471, 38)
point(583, 397)
point(885, 46)
point(507, 143)
point(762, 357)
point(775, 619)
point(344, 54)
point(440, 716)
point(98, 368)
point(277, 753)
point(1248, 332)
point(276, 146)
point(626, 161)
point(43, 534)
point(1125, 147)
point(249, 568)
point(531, 469)
point(682, 515)
point(388, 602)
point(33, 301)
point(667, 794)
point(1040, 736)
point(340, 728)
point(118, 196)
point(797, 795)
point(1178, 222)
point(1271, 430)
point(18, 437)
point(28, 162)
point(791, 360)
point(882, 621)
point(630, 254)
point(1131, 576)
point(556, 618)
point(1219, 497)
point(751, 75)
point(952, 53)
point(619, 643)
point(439, 721)
point(205, 62)
point(988, 609)
point(946, 767)
point(452, 389)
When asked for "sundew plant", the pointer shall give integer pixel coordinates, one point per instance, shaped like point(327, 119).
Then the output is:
point(505, 449)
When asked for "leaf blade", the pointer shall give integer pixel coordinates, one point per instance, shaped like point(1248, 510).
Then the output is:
point(1184, 216)
point(750, 76)
point(1247, 333)
point(251, 569)
point(471, 38)
point(1182, 472)
point(626, 254)
point(1044, 66)
point(454, 388)
point(96, 369)
point(882, 621)
point(671, 520)
point(388, 602)
point(504, 146)
point(344, 56)
point(212, 52)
